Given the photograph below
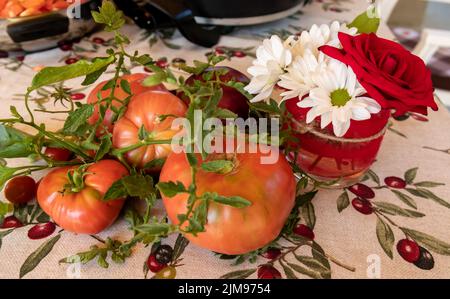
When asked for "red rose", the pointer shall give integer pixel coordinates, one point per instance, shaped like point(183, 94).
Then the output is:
point(391, 75)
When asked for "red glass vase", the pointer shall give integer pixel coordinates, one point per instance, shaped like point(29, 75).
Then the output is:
point(337, 161)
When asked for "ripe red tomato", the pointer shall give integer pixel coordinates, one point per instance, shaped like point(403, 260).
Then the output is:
point(229, 230)
point(58, 154)
point(231, 99)
point(136, 87)
point(83, 211)
point(20, 189)
point(144, 110)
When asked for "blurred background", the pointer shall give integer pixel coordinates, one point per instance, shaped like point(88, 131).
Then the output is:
point(423, 26)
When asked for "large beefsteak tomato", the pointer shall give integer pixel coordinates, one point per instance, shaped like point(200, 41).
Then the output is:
point(145, 109)
point(136, 87)
point(269, 187)
point(82, 211)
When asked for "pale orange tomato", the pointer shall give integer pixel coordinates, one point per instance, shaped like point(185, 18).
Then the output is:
point(144, 110)
point(135, 81)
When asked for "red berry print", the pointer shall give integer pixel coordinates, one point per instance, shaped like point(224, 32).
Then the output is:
point(362, 191)
point(11, 222)
point(42, 230)
point(267, 271)
point(362, 205)
point(408, 250)
point(395, 182)
point(304, 231)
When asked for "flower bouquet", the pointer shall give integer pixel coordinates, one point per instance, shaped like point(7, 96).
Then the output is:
point(339, 87)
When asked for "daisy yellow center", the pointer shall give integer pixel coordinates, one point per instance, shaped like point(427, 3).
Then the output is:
point(340, 97)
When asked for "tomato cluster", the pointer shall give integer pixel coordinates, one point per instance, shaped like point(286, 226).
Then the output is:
point(73, 196)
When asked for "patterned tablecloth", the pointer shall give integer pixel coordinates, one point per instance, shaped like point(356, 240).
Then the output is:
point(418, 148)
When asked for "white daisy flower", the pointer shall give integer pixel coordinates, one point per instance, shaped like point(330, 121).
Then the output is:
point(271, 60)
point(298, 80)
point(316, 37)
point(338, 98)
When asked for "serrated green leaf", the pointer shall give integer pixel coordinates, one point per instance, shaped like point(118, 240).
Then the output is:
point(51, 75)
point(155, 163)
point(170, 189)
point(104, 148)
point(15, 143)
point(385, 237)
point(155, 79)
point(38, 255)
point(116, 191)
point(78, 119)
point(234, 201)
point(155, 229)
point(218, 166)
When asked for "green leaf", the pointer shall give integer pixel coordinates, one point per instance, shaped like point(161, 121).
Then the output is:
point(108, 15)
point(385, 237)
point(101, 261)
point(218, 166)
point(428, 184)
point(4, 234)
point(410, 175)
point(125, 86)
point(405, 198)
point(234, 201)
point(143, 59)
point(192, 159)
point(36, 257)
point(51, 75)
point(319, 254)
point(305, 271)
point(78, 119)
point(343, 201)
point(373, 176)
point(224, 113)
point(15, 143)
point(5, 174)
point(180, 244)
point(312, 263)
point(428, 241)
point(116, 191)
point(139, 185)
point(155, 79)
point(366, 24)
point(156, 163)
point(392, 209)
point(309, 215)
point(104, 148)
point(5, 208)
point(240, 274)
point(155, 229)
point(424, 193)
point(170, 189)
point(288, 272)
